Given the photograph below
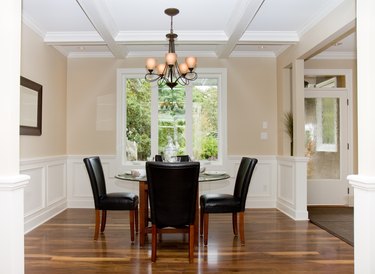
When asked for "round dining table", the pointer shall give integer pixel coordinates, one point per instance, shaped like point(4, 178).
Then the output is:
point(207, 176)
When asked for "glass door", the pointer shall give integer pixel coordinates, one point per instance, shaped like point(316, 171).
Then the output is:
point(327, 139)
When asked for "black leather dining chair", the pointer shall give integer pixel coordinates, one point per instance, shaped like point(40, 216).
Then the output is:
point(182, 158)
point(227, 203)
point(173, 194)
point(109, 201)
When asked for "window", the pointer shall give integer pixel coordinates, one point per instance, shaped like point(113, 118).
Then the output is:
point(193, 117)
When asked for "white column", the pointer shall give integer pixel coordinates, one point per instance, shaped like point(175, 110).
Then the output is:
point(11, 182)
point(364, 223)
point(298, 106)
point(364, 182)
point(12, 225)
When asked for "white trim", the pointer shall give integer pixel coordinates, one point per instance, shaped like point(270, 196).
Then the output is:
point(362, 182)
point(333, 55)
point(8, 183)
point(183, 36)
point(285, 37)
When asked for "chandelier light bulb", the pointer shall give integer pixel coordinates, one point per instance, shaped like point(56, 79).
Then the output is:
point(160, 68)
point(183, 68)
point(191, 62)
point(151, 64)
point(171, 58)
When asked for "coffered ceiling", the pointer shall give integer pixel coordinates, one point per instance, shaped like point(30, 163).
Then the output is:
point(206, 28)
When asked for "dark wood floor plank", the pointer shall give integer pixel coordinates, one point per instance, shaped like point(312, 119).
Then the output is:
point(274, 244)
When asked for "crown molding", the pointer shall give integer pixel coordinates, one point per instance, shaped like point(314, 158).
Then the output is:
point(287, 37)
point(87, 37)
point(161, 54)
point(105, 54)
point(327, 55)
point(26, 19)
point(158, 36)
point(259, 54)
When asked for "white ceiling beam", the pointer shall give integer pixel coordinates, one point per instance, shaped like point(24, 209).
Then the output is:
point(99, 16)
point(240, 20)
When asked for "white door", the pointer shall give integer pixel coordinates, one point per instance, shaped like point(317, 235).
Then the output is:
point(328, 136)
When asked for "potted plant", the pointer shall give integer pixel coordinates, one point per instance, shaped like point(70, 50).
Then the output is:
point(288, 124)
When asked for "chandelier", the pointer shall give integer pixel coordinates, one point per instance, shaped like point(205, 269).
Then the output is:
point(171, 73)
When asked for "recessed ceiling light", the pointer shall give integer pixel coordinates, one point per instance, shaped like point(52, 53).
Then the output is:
point(261, 47)
point(338, 44)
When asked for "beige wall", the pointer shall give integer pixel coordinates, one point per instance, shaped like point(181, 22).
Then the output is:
point(46, 66)
point(251, 100)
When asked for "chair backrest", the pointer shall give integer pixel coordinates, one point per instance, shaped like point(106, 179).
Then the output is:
point(173, 192)
point(244, 174)
point(97, 180)
point(158, 158)
point(183, 158)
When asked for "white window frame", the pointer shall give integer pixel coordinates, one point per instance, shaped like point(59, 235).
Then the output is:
point(220, 73)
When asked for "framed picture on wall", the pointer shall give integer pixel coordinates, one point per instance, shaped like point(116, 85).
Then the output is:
point(30, 107)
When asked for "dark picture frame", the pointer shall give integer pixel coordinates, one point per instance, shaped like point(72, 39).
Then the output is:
point(30, 107)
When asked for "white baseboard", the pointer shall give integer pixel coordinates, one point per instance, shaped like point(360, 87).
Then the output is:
point(43, 216)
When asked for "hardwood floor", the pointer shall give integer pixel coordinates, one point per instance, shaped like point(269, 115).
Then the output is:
point(274, 244)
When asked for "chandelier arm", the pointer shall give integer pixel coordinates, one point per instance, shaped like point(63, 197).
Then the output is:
point(183, 81)
point(153, 77)
point(191, 76)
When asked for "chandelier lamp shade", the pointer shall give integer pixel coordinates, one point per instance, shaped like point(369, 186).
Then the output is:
point(171, 73)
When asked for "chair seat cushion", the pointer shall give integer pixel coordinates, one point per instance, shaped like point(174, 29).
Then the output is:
point(220, 203)
point(119, 201)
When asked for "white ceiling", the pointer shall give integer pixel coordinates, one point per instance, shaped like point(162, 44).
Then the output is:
point(206, 28)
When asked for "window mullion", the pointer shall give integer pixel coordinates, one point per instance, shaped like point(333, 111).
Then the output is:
point(189, 119)
point(154, 119)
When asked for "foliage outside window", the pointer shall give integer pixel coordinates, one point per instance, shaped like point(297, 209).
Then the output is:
point(190, 115)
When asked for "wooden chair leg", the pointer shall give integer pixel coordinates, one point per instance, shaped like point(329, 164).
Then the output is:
point(205, 228)
point(242, 227)
point(201, 222)
point(153, 242)
point(131, 221)
point(136, 220)
point(234, 223)
point(191, 243)
point(97, 223)
point(104, 220)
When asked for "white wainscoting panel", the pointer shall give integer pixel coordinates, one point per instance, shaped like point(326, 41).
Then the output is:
point(56, 187)
point(45, 195)
point(292, 187)
point(34, 190)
